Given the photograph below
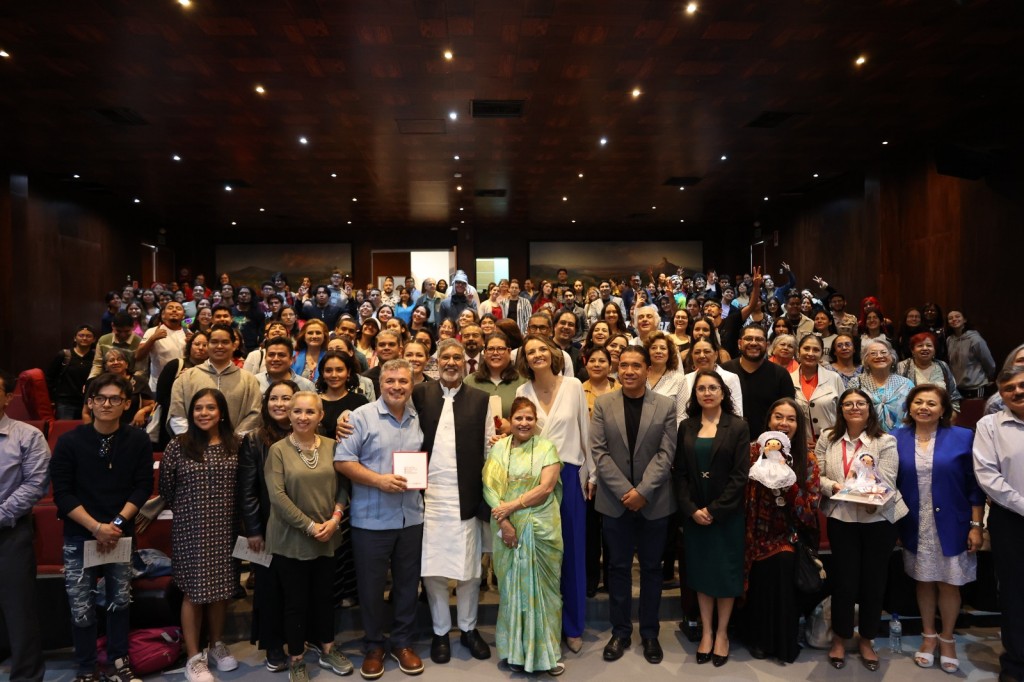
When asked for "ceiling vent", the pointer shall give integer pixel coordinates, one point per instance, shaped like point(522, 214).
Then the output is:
point(491, 193)
point(497, 108)
point(771, 119)
point(118, 116)
point(682, 181)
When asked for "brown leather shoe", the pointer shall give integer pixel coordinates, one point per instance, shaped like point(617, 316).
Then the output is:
point(408, 662)
point(373, 664)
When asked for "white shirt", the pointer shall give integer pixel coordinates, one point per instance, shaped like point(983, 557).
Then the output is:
point(567, 424)
point(999, 459)
point(171, 347)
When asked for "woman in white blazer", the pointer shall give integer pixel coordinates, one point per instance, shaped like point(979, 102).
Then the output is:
point(817, 389)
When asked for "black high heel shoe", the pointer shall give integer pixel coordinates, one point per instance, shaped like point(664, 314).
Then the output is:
point(719, 661)
point(703, 658)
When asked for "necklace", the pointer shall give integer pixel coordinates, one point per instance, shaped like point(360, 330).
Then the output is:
point(310, 462)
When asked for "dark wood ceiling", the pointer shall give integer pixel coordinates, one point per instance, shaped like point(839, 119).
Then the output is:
point(367, 84)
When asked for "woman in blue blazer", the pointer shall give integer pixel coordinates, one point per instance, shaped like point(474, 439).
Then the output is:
point(942, 532)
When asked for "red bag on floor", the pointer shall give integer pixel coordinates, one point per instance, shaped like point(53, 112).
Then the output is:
point(150, 650)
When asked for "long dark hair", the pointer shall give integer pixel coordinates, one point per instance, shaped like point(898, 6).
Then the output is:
point(270, 431)
point(195, 440)
point(351, 383)
point(798, 443)
point(855, 359)
point(509, 374)
point(621, 327)
point(693, 410)
point(872, 427)
point(187, 360)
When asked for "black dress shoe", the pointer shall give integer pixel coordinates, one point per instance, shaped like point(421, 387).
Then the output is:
point(719, 661)
point(869, 664)
point(703, 658)
point(757, 652)
point(440, 649)
point(837, 662)
point(615, 647)
point(476, 644)
point(652, 650)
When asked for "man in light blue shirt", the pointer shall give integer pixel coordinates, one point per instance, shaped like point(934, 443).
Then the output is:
point(387, 519)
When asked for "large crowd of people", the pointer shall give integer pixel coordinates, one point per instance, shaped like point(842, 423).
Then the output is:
point(558, 427)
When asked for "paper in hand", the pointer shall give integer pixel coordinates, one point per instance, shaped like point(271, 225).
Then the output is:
point(92, 556)
point(243, 552)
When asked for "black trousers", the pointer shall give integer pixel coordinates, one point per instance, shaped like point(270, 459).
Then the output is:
point(307, 586)
point(597, 571)
point(18, 601)
point(267, 613)
point(625, 536)
point(374, 552)
point(1006, 530)
point(860, 566)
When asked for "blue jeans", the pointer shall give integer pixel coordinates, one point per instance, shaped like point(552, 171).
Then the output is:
point(80, 584)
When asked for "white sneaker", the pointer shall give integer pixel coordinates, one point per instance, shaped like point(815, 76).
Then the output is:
point(222, 658)
point(196, 670)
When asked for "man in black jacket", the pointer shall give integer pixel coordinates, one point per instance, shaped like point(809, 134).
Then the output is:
point(102, 473)
point(453, 417)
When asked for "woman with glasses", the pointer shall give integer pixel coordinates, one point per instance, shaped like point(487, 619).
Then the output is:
point(862, 536)
point(887, 389)
point(844, 358)
point(712, 460)
point(496, 375)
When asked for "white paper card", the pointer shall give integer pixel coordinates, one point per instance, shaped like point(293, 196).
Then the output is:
point(121, 554)
point(243, 552)
point(494, 407)
point(413, 466)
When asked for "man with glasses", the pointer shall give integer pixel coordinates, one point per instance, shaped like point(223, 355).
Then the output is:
point(102, 474)
point(762, 382)
point(998, 449)
point(473, 342)
point(456, 430)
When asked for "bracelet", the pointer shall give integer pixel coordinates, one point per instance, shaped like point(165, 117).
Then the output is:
point(310, 527)
point(96, 529)
point(523, 504)
point(977, 524)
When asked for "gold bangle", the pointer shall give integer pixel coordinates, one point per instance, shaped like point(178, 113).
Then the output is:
point(523, 504)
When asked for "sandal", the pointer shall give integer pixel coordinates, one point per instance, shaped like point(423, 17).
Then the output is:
point(924, 659)
point(948, 664)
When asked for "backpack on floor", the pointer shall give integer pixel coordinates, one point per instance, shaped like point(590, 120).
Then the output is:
point(150, 650)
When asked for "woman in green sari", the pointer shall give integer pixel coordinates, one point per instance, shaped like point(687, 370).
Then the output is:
point(520, 475)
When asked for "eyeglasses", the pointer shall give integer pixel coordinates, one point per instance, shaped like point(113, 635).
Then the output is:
point(845, 344)
point(708, 389)
point(496, 349)
point(112, 400)
point(859, 405)
point(878, 354)
point(533, 328)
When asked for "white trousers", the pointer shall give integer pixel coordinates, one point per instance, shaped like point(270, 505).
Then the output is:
point(467, 600)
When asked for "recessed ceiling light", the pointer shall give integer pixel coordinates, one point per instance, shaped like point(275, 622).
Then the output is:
point(682, 220)
point(452, 115)
point(691, 8)
point(462, 222)
point(580, 175)
point(681, 188)
point(5, 54)
point(815, 175)
point(76, 176)
point(448, 55)
point(573, 220)
point(461, 208)
point(604, 141)
point(885, 141)
point(176, 158)
point(233, 222)
point(303, 140)
point(766, 198)
point(136, 200)
point(355, 199)
point(227, 188)
point(334, 175)
point(262, 210)
point(654, 208)
point(260, 89)
point(565, 198)
point(456, 157)
point(458, 188)
point(724, 157)
point(185, 3)
point(350, 222)
point(636, 92)
point(861, 60)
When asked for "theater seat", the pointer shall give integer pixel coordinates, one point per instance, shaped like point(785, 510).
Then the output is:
point(48, 540)
point(59, 427)
point(35, 394)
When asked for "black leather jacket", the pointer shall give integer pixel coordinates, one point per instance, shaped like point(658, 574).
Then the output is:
point(254, 499)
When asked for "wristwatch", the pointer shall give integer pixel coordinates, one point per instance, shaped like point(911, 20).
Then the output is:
point(977, 524)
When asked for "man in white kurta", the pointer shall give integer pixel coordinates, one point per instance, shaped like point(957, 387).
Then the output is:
point(451, 541)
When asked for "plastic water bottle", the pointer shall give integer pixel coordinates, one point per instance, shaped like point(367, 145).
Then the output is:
point(895, 634)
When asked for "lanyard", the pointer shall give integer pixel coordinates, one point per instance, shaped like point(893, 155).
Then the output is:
point(848, 462)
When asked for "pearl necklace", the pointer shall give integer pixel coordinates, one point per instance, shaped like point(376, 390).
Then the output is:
point(310, 462)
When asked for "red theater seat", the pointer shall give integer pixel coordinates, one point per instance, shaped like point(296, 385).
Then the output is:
point(36, 397)
point(48, 540)
point(59, 427)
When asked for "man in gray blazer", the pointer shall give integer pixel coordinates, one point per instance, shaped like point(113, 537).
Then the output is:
point(633, 439)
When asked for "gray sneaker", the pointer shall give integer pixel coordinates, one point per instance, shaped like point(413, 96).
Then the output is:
point(335, 661)
point(222, 658)
point(297, 671)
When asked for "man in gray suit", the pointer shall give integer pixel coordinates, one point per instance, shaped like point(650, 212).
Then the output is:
point(633, 438)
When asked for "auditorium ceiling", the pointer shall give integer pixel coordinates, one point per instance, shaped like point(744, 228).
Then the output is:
point(265, 114)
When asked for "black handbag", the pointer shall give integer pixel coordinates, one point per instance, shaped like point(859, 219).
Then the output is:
point(810, 572)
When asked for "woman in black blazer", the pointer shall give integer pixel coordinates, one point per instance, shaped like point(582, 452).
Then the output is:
point(712, 460)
